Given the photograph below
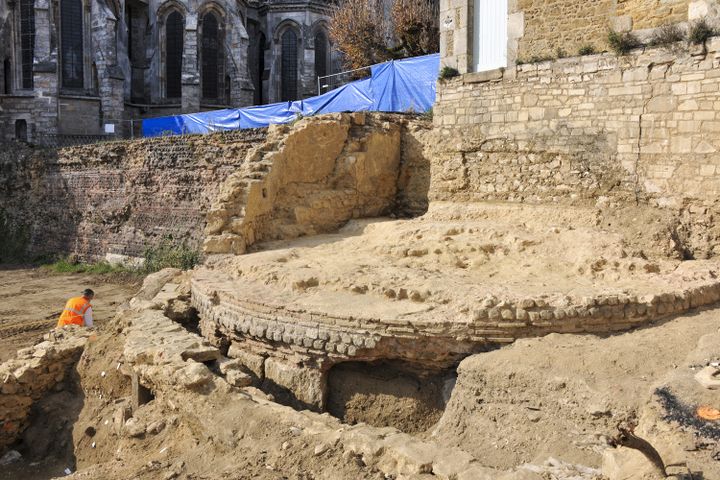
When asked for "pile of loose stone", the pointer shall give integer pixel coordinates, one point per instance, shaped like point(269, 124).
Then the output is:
point(33, 373)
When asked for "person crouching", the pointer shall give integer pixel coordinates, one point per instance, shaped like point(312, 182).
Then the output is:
point(78, 311)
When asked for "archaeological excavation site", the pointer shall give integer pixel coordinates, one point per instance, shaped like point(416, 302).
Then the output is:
point(521, 284)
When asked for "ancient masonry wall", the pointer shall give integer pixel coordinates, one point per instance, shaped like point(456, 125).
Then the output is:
point(308, 179)
point(115, 199)
point(645, 126)
point(33, 373)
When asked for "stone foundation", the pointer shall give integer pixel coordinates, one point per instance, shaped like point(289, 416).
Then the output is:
point(32, 374)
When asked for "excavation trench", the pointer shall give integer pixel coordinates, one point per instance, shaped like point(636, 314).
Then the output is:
point(389, 393)
point(382, 393)
point(46, 445)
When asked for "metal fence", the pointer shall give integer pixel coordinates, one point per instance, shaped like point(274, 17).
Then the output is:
point(60, 140)
point(337, 80)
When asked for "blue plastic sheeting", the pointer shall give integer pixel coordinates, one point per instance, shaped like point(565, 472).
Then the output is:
point(398, 86)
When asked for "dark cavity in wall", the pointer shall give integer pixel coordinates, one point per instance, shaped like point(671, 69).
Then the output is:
point(389, 393)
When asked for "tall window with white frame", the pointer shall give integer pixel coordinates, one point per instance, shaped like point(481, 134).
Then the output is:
point(174, 26)
point(27, 42)
point(289, 66)
point(71, 43)
point(212, 58)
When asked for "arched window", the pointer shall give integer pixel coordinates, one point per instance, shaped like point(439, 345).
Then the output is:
point(174, 26)
point(321, 52)
point(212, 56)
point(256, 60)
point(71, 38)
point(27, 41)
point(289, 63)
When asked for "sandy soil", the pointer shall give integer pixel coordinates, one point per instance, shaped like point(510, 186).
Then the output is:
point(449, 260)
point(563, 395)
point(32, 300)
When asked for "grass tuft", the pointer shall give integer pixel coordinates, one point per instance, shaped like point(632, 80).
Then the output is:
point(700, 31)
point(587, 50)
point(448, 72)
point(623, 43)
point(667, 35)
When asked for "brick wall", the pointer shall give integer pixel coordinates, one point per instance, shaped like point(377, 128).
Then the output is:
point(115, 198)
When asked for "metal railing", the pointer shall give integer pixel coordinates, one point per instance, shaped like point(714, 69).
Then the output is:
point(337, 80)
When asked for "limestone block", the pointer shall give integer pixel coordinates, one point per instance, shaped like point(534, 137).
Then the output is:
point(305, 383)
point(238, 378)
point(254, 363)
point(154, 282)
point(699, 9)
point(407, 456)
point(193, 376)
point(623, 23)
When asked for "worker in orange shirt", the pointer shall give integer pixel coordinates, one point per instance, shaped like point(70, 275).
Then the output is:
point(78, 311)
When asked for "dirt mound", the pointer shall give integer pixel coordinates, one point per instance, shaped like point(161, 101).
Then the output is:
point(563, 395)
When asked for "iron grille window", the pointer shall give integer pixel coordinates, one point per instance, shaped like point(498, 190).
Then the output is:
point(27, 41)
point(71, 24)
point(173, 55)
point(212, 57)
point(289, 74)
point(320, 54)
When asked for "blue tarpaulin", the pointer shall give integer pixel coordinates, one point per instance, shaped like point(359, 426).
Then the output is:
point(398, 86)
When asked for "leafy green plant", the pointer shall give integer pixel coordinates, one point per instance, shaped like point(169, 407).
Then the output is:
point(667, 35)
point(168, 254)
point(587, 50)
point(448, 72)
point(71, 265)
point(700, 31)
point(623, 43)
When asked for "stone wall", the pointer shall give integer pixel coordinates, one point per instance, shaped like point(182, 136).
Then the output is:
point(32, 374)
point(539, 29)
point(307, 180)
point(115, 199)
point(643, 126)
point(565, 24)
point(654, 13)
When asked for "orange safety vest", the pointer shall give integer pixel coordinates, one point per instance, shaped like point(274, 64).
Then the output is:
point(74, 312)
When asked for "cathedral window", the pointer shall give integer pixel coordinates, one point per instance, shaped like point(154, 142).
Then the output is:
point(27, 41)
point(71, 38)
point(174, 27)
point(212, 57)
point(321, 54)
point(289, 65)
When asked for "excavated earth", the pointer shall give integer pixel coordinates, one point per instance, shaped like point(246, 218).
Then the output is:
point(152, 400)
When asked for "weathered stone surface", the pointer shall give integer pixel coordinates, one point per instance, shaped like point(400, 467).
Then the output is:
point(32, 374)
point(306, 384)
point(299, 171)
